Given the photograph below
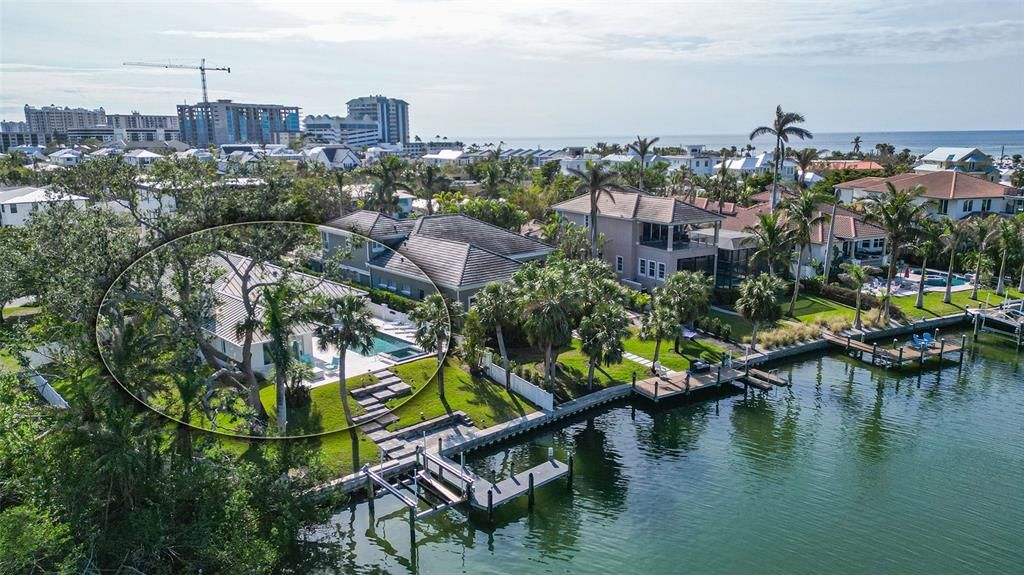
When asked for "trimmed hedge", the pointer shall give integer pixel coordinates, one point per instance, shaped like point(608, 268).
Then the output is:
point(392, 300)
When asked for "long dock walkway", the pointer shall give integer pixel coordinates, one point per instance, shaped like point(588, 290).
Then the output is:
point(487, 495)
point(896, 356)
point(682, 383)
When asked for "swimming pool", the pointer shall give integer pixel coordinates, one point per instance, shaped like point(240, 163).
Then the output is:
point(384, 343)
point(939, 279)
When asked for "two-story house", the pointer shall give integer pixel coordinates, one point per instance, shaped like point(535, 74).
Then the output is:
point(456, 253)
point(950, 193)
point(970, 161)
point(647, 238)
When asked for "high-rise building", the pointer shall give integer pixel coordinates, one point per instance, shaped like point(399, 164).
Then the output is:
point(227, 122)
point(54, 121)
point(14, 127)
point(391, 115)
point(137, 120)
point(339, 130)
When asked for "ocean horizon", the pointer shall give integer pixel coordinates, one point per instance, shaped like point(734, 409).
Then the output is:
point(992, 142)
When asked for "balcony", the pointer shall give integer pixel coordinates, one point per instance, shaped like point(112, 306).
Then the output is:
point(680, 244)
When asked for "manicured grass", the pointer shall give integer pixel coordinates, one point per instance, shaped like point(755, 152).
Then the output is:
point(7, 363)
point(740, 327)
point(571, 380)
point(16, 311)
point(689, 351)
point(809, 307)
point(335, 450)
point(486, 402)
point(324, 411)
point(934, 307)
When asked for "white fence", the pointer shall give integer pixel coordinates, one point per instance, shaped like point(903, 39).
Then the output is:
point(387, 314)
point(48, 392)
point(532, 393)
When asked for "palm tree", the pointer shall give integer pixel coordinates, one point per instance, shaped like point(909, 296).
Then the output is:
point(688, 295)
point(282, 313)
point(803, 216)
point(1007, 236)
point(433, 318)
point(601, 335)
point(782, 128)
point(681, 183)
point(658, 325)
point(430, 181)
point(982, 232)
point(858, 277)
point(897, 213)
point(493, 181)
point(642, 146)
point(805, 159)
point(1019, 219)
point(496, 306)
point(950, 238)
point(388, 175)
point(928, 246)
point(594, 181)
point(758, 303)
point(548, 306)
point(346, 323)
point(773, 239)
point(856, 144)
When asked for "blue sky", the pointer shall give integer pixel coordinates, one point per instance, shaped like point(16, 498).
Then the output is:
point(529, 68)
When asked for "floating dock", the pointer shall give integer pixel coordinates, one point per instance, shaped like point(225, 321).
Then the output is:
point(487, 495)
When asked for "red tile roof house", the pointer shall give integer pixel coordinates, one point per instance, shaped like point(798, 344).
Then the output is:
point(647, 238)
point(853, 240)
point(948, 193)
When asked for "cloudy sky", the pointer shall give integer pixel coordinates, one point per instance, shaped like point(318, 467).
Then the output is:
point(525, 68)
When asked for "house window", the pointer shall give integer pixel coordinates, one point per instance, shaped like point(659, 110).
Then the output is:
point(618, 264)
point(661, 271)
point(14, 208)
point(968, 205)
point(943, 206)
point(643, 267)
point(986, 205)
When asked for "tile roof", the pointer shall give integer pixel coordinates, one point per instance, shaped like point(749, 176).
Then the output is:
point(448, 263)
point(856, 165)
point(463, 228)
point(849, 225)
point(638, 205)
point(950, 154)
point(374, 225)
point(943, 185)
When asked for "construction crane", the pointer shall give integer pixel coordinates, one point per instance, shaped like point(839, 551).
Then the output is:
point(201, 67)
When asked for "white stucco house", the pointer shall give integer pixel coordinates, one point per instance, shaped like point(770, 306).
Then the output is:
point(759, 164)
point(947, 193)
point(18, 204)
point(334, 156)
point(66, 158)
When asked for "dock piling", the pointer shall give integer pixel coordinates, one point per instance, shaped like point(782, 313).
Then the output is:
point(963, 346)
point(490, 504)
point(529, 497)
point(874, 352)
point(369, 486)
point(942, 346)
point(569, 481)
point(901, 356)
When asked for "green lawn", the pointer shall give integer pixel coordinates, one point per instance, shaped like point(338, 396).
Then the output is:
point(20, 311)
point(809, 307)
point(690, 351)
point(933, 306)
point(740, 327)
point(7, 363)
point(323, 413)
point(486, 402)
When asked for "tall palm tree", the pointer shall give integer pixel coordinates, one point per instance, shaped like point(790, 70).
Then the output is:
point(1006, 235)
point(594, 180)
point(758, 303)
point(433, 318)
point(981, 232)
point(601, 334)
point(856, 144)
point(283, 311)
point(345, 322)
point(897, 213)
point(681, 183)
point(496, 306)
point(803, 215)
point(659, 324)
point(548, 305)
point(858, 277)
point(950, 238)
point(773, 239)
point(430, 180)
point(783, 127)
point(494, 181)
point(805, 159)
point(1019, 219)
point(688, 295)
point(642, 147)
point(388, 174)
point(928, 246)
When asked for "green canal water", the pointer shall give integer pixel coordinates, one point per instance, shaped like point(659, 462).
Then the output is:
point(853, 469)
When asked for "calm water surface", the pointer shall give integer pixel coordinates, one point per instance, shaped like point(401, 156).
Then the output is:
point(852, 470)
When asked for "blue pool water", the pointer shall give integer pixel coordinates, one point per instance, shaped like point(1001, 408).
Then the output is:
point(939, 279)
point(384, 343)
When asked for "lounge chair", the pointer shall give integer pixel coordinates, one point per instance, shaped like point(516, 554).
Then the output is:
point(927, 337)
point(306, 359)
point(918, 343)
point(335, 363)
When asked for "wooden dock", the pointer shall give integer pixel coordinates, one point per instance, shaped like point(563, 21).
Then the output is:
point(897, 355)
point(682, 383)
point(487, 495)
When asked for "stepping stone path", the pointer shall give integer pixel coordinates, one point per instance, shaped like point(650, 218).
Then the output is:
point(403, 442)
point(646, 363)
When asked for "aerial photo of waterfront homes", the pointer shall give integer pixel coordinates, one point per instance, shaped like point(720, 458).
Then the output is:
point(511, 287)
